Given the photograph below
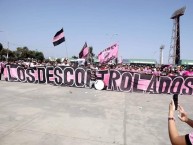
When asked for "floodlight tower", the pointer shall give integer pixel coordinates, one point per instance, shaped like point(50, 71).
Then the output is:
point(161, 54)
point(174, 54)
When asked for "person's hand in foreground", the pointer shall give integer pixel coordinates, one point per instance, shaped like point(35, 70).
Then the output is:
point(171, 109)
point(182, 114)
point(175, 138)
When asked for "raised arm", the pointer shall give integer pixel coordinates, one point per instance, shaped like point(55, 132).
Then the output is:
point(175, 138)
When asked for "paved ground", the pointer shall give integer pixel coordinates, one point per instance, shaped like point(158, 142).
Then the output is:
point(34, 114)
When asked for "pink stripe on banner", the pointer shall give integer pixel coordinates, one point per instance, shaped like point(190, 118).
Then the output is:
point(36, 74)
point(108, 54)
point(13, 72)
point(5, 73)
point(106, 79)
point(142, 84)
point(56, 38)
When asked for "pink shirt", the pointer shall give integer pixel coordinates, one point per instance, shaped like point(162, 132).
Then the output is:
point(188, 73)
point(156, 73)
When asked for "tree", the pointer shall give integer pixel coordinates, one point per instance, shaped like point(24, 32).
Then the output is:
point(91, 55)
point(58, 60)
point(75, 57)
point(1, 46)
point(39, 56)
point(46, 60)
point(22, 52)
point(91, 51)
point(31, 54)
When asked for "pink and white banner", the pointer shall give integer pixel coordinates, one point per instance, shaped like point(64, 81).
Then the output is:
point(116, 80)
point(108, 54)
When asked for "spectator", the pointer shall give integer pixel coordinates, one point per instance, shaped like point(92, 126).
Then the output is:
point(2, 66)
point(148, 70)
point(65, 62)
point(188, 72)
point(92, 77)
point(172, 72)
point(156, 72)
point(175, 138)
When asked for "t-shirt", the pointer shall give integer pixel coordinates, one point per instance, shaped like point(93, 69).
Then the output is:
point(189, 138)
point(188, 73)
point(93, 76)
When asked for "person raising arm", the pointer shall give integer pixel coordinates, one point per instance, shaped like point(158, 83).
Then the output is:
point(174, 136)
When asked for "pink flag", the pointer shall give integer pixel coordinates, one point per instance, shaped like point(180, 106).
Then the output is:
point(108, 54)
point(84, 51)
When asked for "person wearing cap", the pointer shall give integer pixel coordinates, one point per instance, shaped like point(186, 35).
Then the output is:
point(174, 136)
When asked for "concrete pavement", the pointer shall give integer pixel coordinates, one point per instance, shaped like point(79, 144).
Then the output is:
point(36, 114)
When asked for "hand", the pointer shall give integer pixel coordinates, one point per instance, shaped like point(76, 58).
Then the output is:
point(182, 114)
point(171, 108)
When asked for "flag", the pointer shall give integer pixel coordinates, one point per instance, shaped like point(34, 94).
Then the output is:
point(84, 51)
point(58, 37)
point(108, 54)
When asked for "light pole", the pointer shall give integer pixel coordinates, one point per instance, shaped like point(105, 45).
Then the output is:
point(161, 54)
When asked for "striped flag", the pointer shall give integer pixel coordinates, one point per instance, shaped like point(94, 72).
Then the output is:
point(58, 37)
point(84, 51)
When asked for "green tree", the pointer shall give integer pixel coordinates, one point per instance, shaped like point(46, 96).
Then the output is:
point(91, 55)
point(91, 51)
point(3, 54)
point(75, 57)
point(58, 60)
point(31, 54)
point(39, 56)
point(1, 46)
point(22, 53)
point(46, 60)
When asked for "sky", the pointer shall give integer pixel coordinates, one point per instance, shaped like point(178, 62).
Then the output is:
point(140, 27)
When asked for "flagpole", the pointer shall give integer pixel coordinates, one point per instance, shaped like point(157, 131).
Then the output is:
point(66, 50)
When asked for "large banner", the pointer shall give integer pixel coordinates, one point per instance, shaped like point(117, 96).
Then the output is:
point(114, 80)
point(108, 54)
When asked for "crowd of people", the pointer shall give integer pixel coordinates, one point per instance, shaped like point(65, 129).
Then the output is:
point(164, 70)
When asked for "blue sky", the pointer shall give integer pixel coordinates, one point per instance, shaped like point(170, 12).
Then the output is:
point(139, 26)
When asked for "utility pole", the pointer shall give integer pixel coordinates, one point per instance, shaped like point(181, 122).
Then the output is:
point(161, 54)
